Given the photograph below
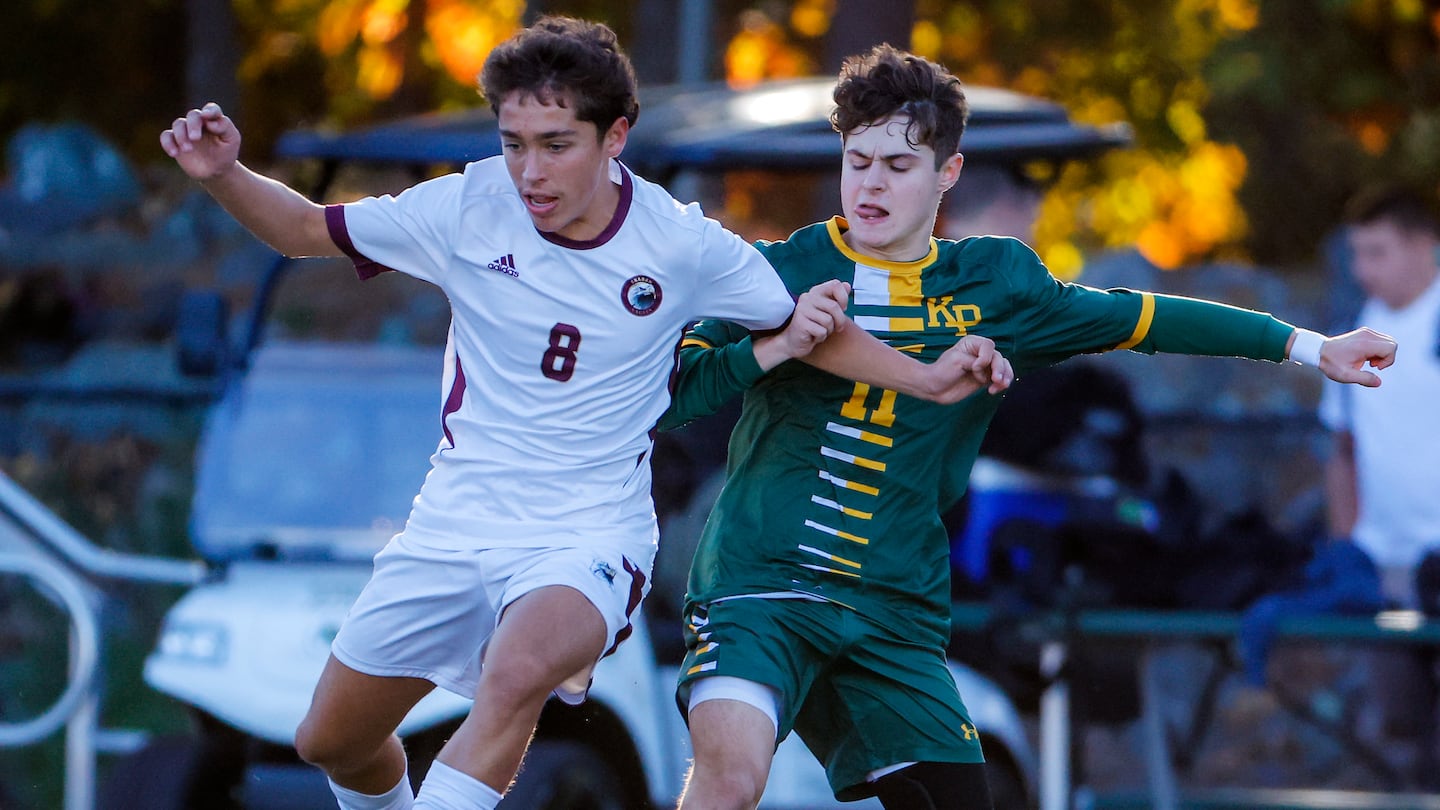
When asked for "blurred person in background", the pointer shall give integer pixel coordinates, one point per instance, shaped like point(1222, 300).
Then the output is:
point(1382, 479)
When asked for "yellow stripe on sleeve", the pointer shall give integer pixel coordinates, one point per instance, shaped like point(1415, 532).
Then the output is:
point(1142, 327)
point(694, 341)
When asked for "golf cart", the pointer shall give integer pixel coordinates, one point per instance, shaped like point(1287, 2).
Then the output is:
point(315, 446)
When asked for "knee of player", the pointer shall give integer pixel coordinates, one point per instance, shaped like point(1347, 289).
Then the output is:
point(321, 747)
point(724, 789)
point(516, 679)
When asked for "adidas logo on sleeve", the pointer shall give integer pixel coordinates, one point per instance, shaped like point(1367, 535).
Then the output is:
point(505, 264)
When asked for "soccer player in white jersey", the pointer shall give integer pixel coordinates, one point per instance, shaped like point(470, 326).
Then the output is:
point(570, 282)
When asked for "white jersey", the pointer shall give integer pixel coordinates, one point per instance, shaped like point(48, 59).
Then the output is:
point(560, 353)
point(1397, 435)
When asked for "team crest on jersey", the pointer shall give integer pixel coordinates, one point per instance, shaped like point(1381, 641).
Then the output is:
point(641, 295)
point(604, 570)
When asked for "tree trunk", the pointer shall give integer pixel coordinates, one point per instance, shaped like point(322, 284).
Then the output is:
point(655, 47)
point(859, 25)
point(212, 54)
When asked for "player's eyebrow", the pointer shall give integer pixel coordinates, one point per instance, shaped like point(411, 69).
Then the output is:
point(544, 136)
point(887, 158)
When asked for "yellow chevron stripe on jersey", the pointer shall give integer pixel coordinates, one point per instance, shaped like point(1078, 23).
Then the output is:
point(847, 484)
point(705, 667)
point(827, 555)
point(862, 435)
point(838, 507)
point(692, 341)
point(1142, 327)
point(850, 574)
point(831, 530)
point(851, 458)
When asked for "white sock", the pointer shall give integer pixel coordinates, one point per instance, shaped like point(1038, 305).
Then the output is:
point(396, 798)
point(446, 788)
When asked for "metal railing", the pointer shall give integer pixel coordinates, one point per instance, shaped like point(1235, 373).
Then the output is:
point(64, 565)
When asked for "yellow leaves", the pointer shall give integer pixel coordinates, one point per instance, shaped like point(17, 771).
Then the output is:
point(761, 51)
point(1373, 137)
point(926, 39)
point(339, 25)
point(811, 18)
point(274, 48)
point(459, 34)
point(1063, 259)
point(1175, 209)
point(1409, 11)
point(1238, 15)
point(378, 71)
point(1185, 205)
point(1034, 81)
point(382, 21)
point(1185, 121)
point(464, 32)
point(964, 34)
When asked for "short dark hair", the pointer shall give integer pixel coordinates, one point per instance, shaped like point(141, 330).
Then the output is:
point(565, 61)
point(887, 81)
point(1399, 204)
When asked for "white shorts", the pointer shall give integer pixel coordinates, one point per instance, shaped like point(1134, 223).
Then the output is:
point(428, 613)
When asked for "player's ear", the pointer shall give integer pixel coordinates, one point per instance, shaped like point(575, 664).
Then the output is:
point(950, 171)
point(614, 140)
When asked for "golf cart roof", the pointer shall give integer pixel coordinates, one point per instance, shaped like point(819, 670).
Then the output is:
point(777, 125)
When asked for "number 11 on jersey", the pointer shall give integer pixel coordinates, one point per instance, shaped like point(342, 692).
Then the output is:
point(883, 414)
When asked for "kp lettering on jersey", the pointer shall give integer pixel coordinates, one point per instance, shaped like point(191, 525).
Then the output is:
point(641, 295)
point(943, 312)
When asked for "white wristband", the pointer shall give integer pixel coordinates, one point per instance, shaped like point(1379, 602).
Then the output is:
point(1306, 348)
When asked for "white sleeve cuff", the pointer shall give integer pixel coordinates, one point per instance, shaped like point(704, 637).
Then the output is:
point(1306, 348)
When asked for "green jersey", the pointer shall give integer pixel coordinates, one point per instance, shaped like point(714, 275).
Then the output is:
point(835, 490)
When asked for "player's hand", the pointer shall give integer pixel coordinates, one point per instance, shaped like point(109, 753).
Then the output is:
point(970, 365)
point(819, 313)
point(1343, 358)
point(205, 142)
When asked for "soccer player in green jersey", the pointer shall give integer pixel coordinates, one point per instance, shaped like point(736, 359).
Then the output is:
point(819, 597)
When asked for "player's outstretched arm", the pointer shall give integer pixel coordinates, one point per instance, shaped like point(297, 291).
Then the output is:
point(1344, 358)
point(206, 145)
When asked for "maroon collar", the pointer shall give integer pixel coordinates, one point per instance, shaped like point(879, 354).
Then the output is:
point(627, 193)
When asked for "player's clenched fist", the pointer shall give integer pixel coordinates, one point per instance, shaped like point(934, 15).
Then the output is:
point(819, 313)
point(971, 364)
point(1343, 358)
point(205, 142)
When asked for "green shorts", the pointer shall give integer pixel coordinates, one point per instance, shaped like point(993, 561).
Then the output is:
point(861, 696)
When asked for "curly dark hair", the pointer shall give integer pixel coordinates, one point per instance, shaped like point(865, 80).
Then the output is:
point(887, 81)
point(567, 61)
